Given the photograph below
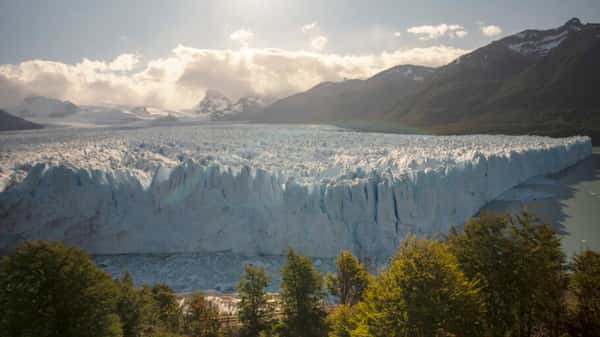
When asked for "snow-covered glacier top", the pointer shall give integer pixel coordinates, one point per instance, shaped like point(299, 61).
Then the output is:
point(307, 154)
point(256, 189)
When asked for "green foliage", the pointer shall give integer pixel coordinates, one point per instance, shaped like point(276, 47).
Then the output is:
point(520, 267)
point(49, 290)
point(350, 281)
point(422, 293)
point(201, 318)
point(585, 288)
point(136, 308)
point(169, 315)
point(341, 321)
point(301, 295)
point(254, 311)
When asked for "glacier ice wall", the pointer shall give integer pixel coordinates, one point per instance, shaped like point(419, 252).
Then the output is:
point(258, 191)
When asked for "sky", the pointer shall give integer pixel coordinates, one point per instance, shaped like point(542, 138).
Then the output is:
point(168, 53)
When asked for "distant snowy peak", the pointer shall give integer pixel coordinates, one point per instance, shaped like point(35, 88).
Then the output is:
point(214, 102)
point(541, 42)
point(404, 72)
point(40, 106)
point(217, 106)
point(249, 104)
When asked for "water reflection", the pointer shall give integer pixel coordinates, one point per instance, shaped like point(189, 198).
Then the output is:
point(569, 200)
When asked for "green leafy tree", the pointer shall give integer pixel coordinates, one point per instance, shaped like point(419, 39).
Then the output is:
point(422, 293)
point(520, 266)
point(485, 252)
point(301, 296)
point(50, 290)
point(541, 278)
point(136, 308)
point(254, 310)
point(341, 321)
point(167, 308)
point(350, 281)
point(585, 288)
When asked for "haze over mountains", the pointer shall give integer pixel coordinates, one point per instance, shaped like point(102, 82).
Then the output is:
point(537, 81)
point(9, 122)
point(216, 106)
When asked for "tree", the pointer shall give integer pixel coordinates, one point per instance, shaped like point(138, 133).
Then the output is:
point(350, 281)
point(485, 252)
point(254, 311)
point(50, 290)
point(540, 284)
point(585, 288)
point(201, 318)
point(135, 308)
point(422, 293)
point(520, 266)
point(168, 310)
point(341, 321)
point(301, 295)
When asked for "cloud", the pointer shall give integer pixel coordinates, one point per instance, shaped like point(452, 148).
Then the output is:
point(180, 80)
point(310, 27)
point(319, 42)
point(429, 32)
point(491, 30)
point(242, 36)
point(461, 33)
point(124, 62)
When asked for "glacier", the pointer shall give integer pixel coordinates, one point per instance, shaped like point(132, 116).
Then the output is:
point(256, 190)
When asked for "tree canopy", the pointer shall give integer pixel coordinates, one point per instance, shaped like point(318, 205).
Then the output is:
point(49, 290)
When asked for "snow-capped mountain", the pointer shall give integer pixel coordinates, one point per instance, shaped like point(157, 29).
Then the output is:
point(40, 106)
point(536, 81)
point(541, 42)
point(533, 82)
point(216, 106)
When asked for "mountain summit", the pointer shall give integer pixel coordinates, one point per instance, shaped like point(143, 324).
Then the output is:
point(217, 106)
point(536, 81)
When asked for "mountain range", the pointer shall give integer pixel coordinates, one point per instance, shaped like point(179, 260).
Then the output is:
point(534, 82)
point(216, 106)
point(9, 122)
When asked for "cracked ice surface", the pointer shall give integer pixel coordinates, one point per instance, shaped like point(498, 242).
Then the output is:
point(256, 189)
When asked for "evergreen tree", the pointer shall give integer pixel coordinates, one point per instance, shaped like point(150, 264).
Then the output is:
point(254, 311)
point(422, 293)
point(301, 296)
point(350, 281)
point(49, 290)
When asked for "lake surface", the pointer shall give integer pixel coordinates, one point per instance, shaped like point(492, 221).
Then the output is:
point(569, 200)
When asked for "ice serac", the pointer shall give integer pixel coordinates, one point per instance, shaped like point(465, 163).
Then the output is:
point(365, 202)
